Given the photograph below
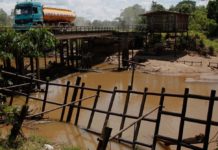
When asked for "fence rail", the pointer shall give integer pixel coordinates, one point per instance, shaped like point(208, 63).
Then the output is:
point(190, 62)
point(213, 64)
point(75, 106)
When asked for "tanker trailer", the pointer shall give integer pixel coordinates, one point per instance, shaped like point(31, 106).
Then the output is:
point(34, 14)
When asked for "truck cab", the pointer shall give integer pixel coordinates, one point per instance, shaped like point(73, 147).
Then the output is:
point(27, 15)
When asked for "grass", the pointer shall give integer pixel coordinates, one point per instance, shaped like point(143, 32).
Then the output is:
point(32, 143)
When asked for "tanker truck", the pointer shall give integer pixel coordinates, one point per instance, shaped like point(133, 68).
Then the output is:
point(34, 14)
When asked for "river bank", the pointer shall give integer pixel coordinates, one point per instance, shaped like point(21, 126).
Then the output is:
point(188, 64)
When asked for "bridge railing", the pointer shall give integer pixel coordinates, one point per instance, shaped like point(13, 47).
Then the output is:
point(75, 29)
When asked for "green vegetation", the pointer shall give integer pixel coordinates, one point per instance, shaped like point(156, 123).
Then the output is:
point(5, 20)
point(210, 43)
point(32, 143)
point(8, 115)
point(203, 19)
point(157, 7)
point(33, 43)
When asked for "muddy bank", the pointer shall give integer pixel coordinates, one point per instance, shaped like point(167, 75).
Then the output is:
point(184, 64)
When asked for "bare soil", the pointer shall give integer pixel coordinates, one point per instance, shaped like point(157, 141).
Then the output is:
point(195, 64)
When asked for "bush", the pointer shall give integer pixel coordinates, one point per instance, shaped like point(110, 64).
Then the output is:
point(182, 42)
point(212, 28)
point(201, 44)
point(211, 50)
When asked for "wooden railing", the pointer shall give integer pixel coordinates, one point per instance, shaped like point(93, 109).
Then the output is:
point(75, 106)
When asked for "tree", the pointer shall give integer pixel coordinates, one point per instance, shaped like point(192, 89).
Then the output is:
point(198, 20)
point(36, 43)
point(212, 9)
point(212, 28)
point(130, 15)
point(6, 46)
point(4, 18)
point(157, 7)
point(185, 6)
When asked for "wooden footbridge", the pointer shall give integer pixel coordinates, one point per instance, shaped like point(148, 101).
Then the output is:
point(74, 104)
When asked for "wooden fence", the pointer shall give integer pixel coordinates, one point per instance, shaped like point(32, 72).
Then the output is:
point(191, 63)
point(213, 64)
point(75, 106)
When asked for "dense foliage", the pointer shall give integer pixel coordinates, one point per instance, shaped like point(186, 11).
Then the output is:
point(157, 7)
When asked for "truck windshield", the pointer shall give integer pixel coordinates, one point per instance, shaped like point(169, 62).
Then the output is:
point(23, 10)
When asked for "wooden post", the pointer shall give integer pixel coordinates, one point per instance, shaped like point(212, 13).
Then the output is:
point(125, 51)
point(133, 74)
point(56, 57)
point(79, 104)
point(209, 119)
point(158, 119)
point(119, 53)
point(62, 52)
point(103, 141)
point(29, 90)
point(72, 48)
point(175, 46)
point(93, 108)
point(182, 122)
point(78, 80)
point(110, 105)
point(65, 100)
point(125, 109)
point(37, 71)
point(11, 100)
point(31, 64)
point(45, 60)
point(77, 52)
point(68, 54)
point(136, 131)
point(15, 131)
point(45, 97)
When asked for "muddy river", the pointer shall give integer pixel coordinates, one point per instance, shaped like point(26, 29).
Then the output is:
point(69, 134)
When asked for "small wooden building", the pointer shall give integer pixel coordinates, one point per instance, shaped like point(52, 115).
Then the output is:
point(175, 24)
point(166, 21)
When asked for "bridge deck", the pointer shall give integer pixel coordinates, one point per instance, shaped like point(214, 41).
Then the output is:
point(79, 35)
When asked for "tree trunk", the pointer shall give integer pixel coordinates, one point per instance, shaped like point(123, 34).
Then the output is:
point(4, 63)
point(37, 71)
point(17, 63)
point(45, 60)
point(21, 64)
point(31, 65)
point(8, 63)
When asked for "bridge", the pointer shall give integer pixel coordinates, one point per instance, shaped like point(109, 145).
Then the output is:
point(77, 42)
point(90, 31)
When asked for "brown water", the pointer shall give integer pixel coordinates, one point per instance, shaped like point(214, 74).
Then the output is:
point(68, 134)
